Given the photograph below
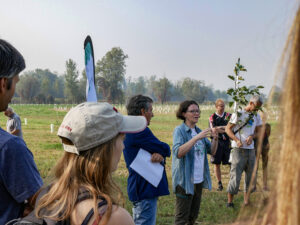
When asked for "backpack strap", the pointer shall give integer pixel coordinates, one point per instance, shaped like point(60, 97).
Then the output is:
point(241, 127)
point(91, 213)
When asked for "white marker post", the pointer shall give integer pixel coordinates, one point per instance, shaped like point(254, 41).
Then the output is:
point(25, 121)
point(51, 128)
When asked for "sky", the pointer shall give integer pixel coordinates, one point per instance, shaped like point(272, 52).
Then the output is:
point(176, 39)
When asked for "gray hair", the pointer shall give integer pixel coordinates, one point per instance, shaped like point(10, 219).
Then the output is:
point(256, 99)
point(11, 60)
point(9, 109)
point(137, 103)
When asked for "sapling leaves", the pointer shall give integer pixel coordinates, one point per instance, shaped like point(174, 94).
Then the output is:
point(231, 77)
point(240, 94)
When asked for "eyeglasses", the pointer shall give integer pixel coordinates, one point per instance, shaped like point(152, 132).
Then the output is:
point(194, 111)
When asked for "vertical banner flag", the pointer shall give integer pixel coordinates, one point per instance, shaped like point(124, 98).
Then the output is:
point(91, 95)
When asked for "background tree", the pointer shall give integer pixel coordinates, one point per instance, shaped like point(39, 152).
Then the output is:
point(40, 98)
point(221, 94)
point(50, 99)
point(210, 95)
point(150, 86)
point(129, 87)
point(140, 87)
point(28, 87)
point(176, 92)
point(194, 89)
point(135, 86)
point(59, 86)
point(44, 86)
point(110, 71)
point(82, 86)
point(71, 82)
point(162, 89)
point(47, 80)
point(275, 94)
point(35, 85)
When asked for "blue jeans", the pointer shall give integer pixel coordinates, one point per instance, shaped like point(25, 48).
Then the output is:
point(144, 211)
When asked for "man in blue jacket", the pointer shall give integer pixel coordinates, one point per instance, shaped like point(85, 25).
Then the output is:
point(141, 193)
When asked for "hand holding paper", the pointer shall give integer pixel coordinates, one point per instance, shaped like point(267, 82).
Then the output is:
point(152, 172)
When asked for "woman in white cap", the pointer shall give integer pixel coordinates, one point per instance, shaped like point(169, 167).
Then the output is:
point(83, 191)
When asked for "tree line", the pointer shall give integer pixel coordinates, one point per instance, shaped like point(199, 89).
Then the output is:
point(44, 86)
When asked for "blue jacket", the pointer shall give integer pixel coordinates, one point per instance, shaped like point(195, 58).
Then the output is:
point(137, 187)
point(183, 168)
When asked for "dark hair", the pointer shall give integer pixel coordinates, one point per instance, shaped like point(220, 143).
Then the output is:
point(11, 60)
point(183, 108)
point(9, 82)
point(137, 103)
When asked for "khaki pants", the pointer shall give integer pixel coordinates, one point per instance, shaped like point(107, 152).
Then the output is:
point(187, 206)
point(242, 160)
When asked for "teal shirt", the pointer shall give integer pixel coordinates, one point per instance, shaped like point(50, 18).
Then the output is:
point(183, 168)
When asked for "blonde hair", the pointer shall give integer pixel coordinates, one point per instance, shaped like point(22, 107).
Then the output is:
point(90, 170)
point(218, 101)
point(283, 205)
point(285, 202)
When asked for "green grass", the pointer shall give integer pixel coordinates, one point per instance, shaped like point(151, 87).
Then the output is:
point(47, 149)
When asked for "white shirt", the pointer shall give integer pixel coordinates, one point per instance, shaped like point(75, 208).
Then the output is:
point(199, 155)
point(247, 130)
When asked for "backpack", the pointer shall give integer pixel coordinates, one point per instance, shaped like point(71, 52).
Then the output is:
point(31, 219)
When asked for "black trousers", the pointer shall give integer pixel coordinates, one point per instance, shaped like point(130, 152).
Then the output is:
point(187, 206)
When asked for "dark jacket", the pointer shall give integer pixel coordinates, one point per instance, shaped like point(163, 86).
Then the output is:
point(137, 187)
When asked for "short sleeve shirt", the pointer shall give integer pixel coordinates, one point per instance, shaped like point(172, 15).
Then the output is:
point(19, 177)
point(199, 151)
point(216, 120)
point(247, 130)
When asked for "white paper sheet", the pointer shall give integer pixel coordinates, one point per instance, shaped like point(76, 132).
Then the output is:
point(152, 172)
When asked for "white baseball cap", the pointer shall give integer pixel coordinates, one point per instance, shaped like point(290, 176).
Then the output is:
point(91, 124)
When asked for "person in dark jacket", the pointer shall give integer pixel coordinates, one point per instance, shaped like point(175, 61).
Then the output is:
point(141, 192)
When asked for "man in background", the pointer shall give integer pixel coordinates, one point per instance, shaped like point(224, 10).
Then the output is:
point(19, 177)
point(13, 124)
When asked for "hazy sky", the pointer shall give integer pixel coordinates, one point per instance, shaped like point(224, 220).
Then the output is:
point(195, 38)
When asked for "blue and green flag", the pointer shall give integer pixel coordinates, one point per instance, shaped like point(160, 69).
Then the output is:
point(91, 95)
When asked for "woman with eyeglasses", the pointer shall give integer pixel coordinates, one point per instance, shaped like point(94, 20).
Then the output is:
point(190, 169)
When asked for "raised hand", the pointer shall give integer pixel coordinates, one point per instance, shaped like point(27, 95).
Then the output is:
point(214, 132)
point(204, 134)
point(220, 129)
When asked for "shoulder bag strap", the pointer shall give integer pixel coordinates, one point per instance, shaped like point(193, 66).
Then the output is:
point(91, 213)
point(249, 118)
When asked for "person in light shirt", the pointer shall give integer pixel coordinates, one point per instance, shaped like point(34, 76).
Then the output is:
point(190, 168)
point(13, 124)
point(242, 127)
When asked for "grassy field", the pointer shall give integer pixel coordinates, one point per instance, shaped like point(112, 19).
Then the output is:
point(47, 149)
